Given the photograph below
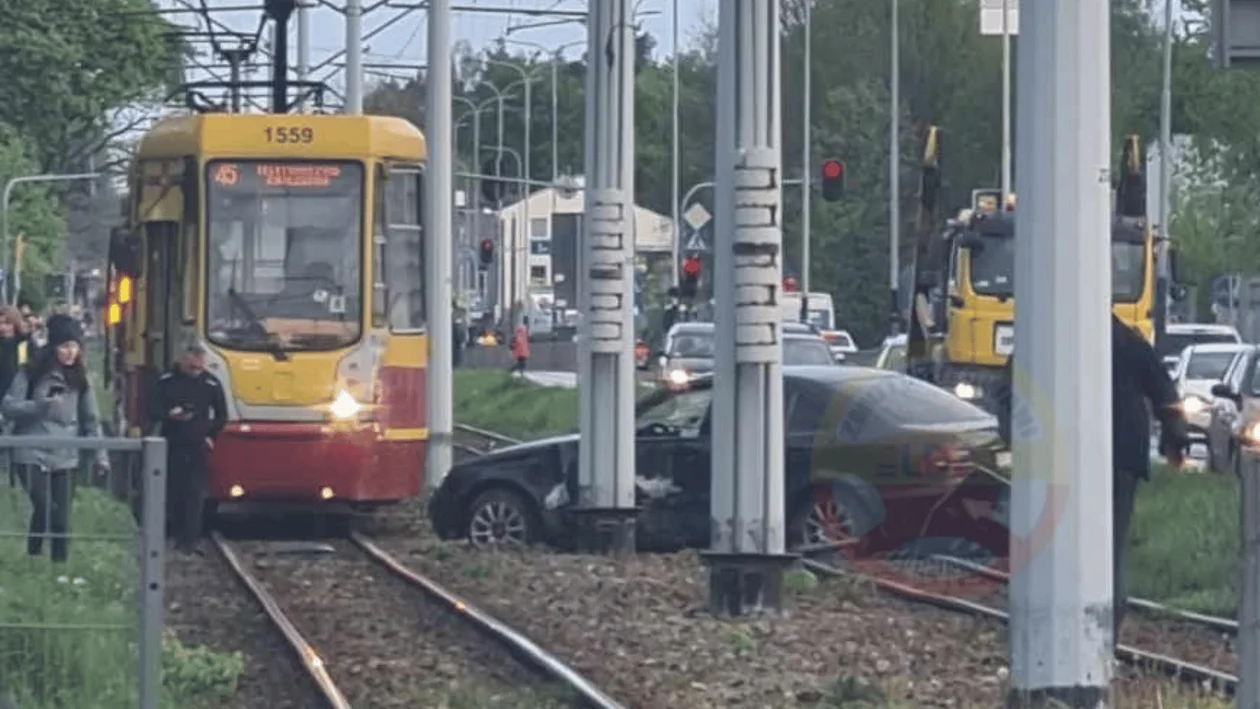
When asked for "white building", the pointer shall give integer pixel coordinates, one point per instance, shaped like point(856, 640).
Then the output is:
point(539, 239)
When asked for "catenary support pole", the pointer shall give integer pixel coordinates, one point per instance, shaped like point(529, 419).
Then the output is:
point(1249, 606)
point(606, 360)
point(747, 558)
point(303, 48)
point(1006, 99)
point(675, 159)
point(807, 159)
point(354, 58)
point(894, 171)
point(1061, 637)
point(437, 229)
point(1162, 278)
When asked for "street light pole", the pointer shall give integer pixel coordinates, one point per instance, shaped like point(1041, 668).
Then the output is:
point(1165, 174)
point(894, 171)
point(354, 57)
point(807, 157)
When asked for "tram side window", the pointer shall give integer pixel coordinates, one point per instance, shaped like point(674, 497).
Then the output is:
point(380, 228)
point(404, 251)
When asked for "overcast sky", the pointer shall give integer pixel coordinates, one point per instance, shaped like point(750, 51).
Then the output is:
point(403, 42)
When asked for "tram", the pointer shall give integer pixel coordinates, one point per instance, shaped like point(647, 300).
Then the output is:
point(290, 247)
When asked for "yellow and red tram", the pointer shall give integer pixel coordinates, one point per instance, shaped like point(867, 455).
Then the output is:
point(291, 248)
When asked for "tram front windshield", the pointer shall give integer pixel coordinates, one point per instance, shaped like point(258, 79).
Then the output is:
point(284, 255)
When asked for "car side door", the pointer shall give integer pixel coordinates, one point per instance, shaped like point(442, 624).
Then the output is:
point(672, 474)
point(1225, 412)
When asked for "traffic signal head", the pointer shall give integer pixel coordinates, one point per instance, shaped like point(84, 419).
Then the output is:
point(487, 253)
point(832, 180)
point(691, 277)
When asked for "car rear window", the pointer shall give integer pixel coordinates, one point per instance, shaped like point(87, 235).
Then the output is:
point(876, 407)
point(806, 351)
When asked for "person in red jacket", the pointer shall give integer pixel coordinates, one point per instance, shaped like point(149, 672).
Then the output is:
point(520, 348)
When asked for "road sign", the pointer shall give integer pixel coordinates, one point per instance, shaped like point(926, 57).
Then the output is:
point(991, 17)
point(697, 216)
point(696, 241)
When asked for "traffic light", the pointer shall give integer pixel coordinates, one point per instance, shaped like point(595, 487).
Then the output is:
point(487, 253)
point(832, 180)
point(691, 277)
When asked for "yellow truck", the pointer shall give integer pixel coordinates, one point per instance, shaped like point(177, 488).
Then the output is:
point(962, 324)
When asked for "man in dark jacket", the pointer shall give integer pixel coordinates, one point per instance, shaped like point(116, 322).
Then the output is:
point(190, 406)
point(1137, 377)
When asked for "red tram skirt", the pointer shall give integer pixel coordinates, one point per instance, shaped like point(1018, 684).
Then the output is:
point(313, 463)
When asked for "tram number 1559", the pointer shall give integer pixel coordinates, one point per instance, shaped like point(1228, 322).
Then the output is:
point(291, 134)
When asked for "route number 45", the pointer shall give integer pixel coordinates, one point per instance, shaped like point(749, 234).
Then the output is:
point(291, 134)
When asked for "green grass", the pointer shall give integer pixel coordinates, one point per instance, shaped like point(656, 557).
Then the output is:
point(1185, 542)
point(68, 632)
point(493, 400)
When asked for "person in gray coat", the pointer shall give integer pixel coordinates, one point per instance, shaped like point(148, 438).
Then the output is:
point(52, 397)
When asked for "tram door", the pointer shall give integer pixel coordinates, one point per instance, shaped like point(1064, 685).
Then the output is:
point(398, 303)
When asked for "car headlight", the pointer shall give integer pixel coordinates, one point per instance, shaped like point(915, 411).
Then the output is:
point(677, 377)
point(1192, 405)
point(1251, 433)
point(344, 406)
point(963, 390)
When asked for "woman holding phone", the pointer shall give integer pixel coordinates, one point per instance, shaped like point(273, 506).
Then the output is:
point(51, 396)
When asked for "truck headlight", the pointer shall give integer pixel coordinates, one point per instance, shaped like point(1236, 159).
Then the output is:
point(344, 406)
point(963, 390)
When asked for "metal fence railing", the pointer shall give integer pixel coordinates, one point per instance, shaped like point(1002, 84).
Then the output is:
point(81, 584)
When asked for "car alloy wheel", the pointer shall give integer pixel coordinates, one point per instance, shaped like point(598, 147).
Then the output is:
point(499, 518)
point(827, 522)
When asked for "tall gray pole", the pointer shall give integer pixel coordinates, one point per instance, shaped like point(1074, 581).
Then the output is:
point(1165, 182)
point(555, 119)
point(438, 224)
point(520, 256)
point(674, 163)
point(354, 58)
point(747, 560)
point(807, 171)
point(1061, 636)
point(894, 170)
point(303, 46)
point(1006, 101)
point(606, 490)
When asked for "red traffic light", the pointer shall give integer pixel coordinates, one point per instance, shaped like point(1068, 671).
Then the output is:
point(691, 266)
point(789, 284)
point(487, 245)
point(833, 169)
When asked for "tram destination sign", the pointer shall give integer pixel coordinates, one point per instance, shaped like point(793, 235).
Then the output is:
point(233, 175)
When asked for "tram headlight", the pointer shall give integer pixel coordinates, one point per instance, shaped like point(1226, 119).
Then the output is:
point(345, 406)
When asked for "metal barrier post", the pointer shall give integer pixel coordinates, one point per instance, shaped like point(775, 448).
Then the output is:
point(1249, 588)
point(153, 541)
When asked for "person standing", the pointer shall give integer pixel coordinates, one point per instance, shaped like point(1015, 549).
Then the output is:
point(1138, 379)
point(520, 348)
point(190, 405)
point(52, 396)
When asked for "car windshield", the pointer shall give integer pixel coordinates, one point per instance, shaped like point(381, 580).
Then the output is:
point(993, 268)
point(894, 357)
point(283, 254)
point(820, 319)
point(683, 410)
point(1172, 343)
point(806, 351)
point(691, 345)
point(1208, 365)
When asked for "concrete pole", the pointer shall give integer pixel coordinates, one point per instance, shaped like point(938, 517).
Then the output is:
point(1249, 600)
point(354, 58)
point(747, 560)
point(555, 119)
point(438, 223)
point(894, 171)
point(303, 50)
point(1061, 636)
point(522, 247)
point(675, 163)
point(606, 459)
point(1163, 276)
point(807, 170)
point(1006, 102)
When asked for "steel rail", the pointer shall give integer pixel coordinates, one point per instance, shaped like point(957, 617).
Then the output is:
point(1224, 625)
point(544, 662)
point(1186, 671)
point(310, 659)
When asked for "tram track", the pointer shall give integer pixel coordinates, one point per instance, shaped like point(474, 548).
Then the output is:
point(351, 617)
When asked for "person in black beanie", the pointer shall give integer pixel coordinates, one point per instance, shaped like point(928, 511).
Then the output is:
point(51, 396)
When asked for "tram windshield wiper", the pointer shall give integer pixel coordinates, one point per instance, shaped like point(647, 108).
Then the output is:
point(257, 329)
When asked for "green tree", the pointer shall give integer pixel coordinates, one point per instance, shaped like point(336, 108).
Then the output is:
point(33, 210)
point(69, 67)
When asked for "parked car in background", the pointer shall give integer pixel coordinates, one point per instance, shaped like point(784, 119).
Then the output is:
point(1199, 368)
point(1234, 411)
point(877, 458)
point(1178, 336)
point(892, 355)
